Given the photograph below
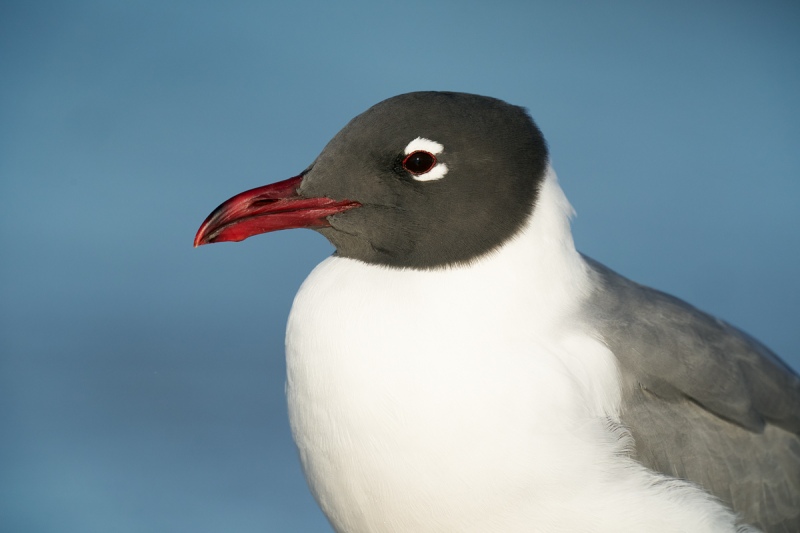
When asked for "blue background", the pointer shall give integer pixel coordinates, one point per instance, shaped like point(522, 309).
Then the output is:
point(141, 380)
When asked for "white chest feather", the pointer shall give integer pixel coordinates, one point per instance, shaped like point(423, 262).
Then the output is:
point(468, 399)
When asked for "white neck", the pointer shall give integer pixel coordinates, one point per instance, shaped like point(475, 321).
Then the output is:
point(472, 398)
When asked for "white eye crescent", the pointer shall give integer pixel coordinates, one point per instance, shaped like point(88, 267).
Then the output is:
point(421, 162)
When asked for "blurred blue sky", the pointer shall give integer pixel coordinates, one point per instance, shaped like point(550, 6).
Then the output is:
point(141, 381)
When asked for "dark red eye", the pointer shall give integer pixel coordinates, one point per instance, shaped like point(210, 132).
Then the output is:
point(419, 162)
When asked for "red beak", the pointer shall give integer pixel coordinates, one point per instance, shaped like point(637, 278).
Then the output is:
point(269, 208)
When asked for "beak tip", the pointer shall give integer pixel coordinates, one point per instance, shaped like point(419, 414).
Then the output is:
point(199, 239)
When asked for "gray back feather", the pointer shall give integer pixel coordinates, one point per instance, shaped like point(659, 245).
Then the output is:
point(704, 401)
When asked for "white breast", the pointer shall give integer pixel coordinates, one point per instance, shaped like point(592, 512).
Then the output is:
point(469, 399)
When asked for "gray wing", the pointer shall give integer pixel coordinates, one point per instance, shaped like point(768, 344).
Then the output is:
point(703, 400)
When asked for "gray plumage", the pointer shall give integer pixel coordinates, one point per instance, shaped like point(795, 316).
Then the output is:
point(704, 401)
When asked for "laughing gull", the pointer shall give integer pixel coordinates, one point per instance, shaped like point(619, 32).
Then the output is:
point(457, 366)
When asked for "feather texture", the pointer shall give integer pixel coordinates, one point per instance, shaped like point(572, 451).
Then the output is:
point(704, 401)
point(475, 398)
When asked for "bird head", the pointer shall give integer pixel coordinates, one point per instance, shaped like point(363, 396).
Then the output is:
point(421, 180)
